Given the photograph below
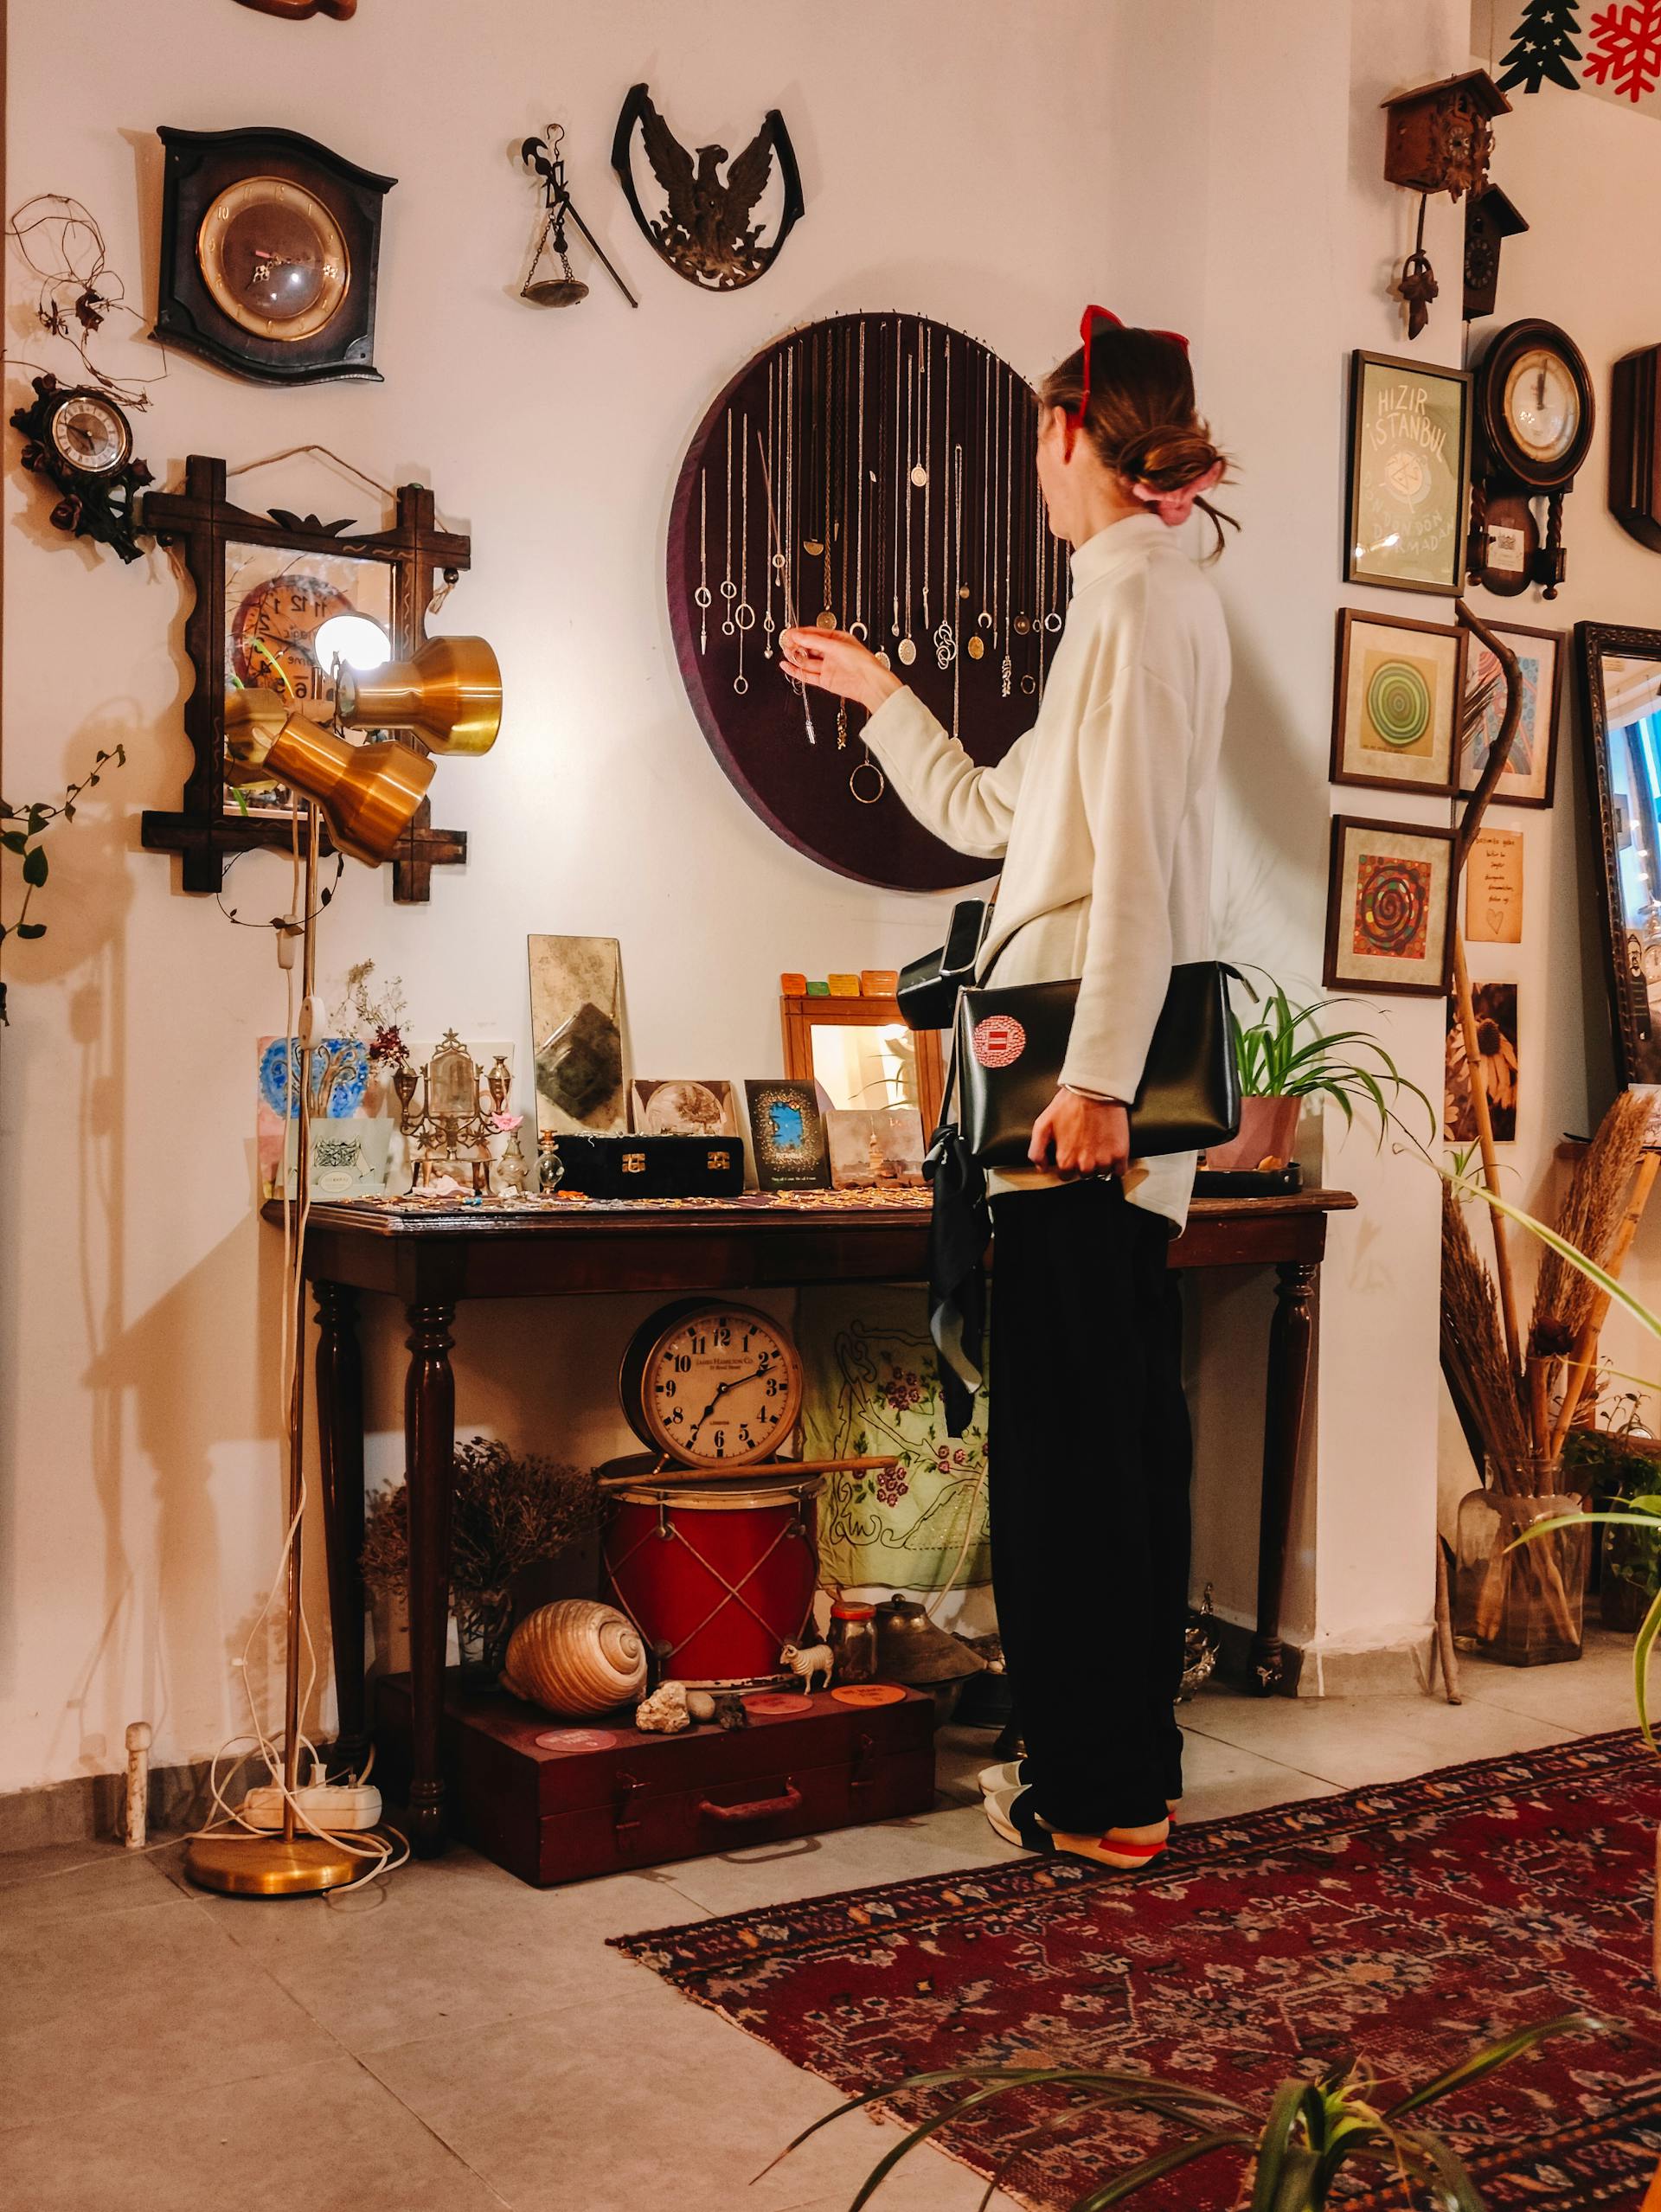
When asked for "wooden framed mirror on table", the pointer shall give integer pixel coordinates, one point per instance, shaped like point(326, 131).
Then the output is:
point(861, 1055)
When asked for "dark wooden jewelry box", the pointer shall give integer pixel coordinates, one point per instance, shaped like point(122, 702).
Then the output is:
point(555, 1801)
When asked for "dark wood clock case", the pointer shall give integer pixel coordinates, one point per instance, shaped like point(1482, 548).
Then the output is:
point(201, 164)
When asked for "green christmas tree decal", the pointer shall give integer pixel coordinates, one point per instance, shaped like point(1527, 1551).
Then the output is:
point(1546, 43)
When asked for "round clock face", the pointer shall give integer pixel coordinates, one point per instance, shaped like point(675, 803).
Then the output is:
point(274, 258)
point(1541, 404)
point(272, 634)
point(719, 1385)
point(91, 434)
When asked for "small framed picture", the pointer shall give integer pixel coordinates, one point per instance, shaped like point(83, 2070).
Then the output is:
point(1389, 914)
point(1409, 474)
point(1531, 766)
point(879, 1150)
point(1398, 701)
point(1494, 1005)
point(681, 1107)
point(787, 1129)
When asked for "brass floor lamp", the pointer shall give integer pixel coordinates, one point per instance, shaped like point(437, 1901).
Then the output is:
point(450, 696)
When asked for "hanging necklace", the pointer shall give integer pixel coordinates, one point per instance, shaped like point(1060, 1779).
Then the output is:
point(826, 617)
point(703, 595)
point(957, 577)
point(899, 466)
point(926, 410)
point(976, 645)
point(1029, 682)
point(814, 393)
point(946, 638)
point(790, 603)
point(908, 647)
point(920, 466)
point(1006, 672)
point(728, 589)
point(770, 452)
point(857, 628)
point(743, 613)
point(882, 539)
point(786, 563)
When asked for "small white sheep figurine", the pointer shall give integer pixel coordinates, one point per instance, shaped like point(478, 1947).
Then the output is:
point(807, 1660)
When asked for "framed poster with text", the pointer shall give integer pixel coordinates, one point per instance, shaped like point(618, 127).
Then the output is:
point(1409, 475)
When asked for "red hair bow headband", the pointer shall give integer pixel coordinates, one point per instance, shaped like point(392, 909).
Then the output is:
point(1075, 417)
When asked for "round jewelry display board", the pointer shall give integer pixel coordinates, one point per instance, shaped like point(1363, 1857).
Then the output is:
point(873, 472)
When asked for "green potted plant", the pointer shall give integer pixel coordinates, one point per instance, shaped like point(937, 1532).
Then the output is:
point(1298, 2150)
point(1285, 1058)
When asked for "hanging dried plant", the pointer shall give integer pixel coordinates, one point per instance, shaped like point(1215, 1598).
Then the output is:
point(1484, 1383)
point(1590, 1214)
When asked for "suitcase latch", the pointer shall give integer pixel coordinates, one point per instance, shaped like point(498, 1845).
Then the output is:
point(624, 1818)
point(864, 1773)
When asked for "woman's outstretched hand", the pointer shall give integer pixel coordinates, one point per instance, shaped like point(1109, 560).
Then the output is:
point(1088, 1136)
point(832, 661)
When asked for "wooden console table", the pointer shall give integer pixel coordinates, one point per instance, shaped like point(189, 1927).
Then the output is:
point(431, 1262)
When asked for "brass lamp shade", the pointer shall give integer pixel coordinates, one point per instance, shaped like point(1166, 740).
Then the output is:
point(450, 695)
point(367, 794)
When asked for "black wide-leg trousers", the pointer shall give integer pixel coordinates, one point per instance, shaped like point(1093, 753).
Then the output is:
point(1088, 1459)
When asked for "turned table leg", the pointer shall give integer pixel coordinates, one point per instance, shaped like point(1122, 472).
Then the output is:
point(340, 1452)
point(429, 1446)
point(1283, 1426)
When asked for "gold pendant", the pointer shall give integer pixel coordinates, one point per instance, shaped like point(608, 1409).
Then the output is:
point(827, 620)
point(908, 651)
point(882, 658)
point(919, 476)
point(975, 648)
point(812, 545)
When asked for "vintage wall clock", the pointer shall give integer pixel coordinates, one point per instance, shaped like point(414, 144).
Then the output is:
point(264, 586)
point(711, 1384)
point(82, 442)
point(269, 249)
point(1535, 413)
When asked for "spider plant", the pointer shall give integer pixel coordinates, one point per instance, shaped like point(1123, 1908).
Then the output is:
point(1284, 1054)
point(1311, 2130)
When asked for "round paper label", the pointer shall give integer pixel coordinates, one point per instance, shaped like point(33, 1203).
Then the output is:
point(998, 1041)
point(576, 1740)
point(869, 1693)
point(778, 1700)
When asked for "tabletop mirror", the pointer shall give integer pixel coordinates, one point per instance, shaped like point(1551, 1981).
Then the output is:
point(1620, 676)
point(861, 1055)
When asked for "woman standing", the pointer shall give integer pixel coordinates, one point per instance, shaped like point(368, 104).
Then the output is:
point(1102, 817)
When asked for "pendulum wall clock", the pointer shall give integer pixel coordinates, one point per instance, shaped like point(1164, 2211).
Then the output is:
point(1535, 413)
point(264, 586)
point(269, 249)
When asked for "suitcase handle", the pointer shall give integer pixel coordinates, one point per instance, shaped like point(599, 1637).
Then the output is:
point(758, 1808)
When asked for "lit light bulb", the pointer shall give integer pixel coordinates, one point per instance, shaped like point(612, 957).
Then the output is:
point(353, 639)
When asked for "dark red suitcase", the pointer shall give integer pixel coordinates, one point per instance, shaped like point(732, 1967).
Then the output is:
point(555, 1802)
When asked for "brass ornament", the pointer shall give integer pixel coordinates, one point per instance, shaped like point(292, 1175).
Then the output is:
point(367, 794)
point(706, 231)
point(543, 156)
point(450, 695)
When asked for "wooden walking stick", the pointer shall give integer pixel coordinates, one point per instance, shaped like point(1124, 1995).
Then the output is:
point(1464, 837)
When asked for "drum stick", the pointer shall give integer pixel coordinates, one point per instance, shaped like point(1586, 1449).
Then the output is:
point(753, 1468)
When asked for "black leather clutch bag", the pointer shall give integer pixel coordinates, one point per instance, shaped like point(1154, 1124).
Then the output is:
point(1011, 1044)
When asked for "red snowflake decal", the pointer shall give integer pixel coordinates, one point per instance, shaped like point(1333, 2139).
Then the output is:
point(1623, 51)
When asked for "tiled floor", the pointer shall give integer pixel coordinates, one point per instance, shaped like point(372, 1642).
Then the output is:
point(456, 2041)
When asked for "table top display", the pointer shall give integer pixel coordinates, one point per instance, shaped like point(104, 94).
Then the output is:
point(874, 472)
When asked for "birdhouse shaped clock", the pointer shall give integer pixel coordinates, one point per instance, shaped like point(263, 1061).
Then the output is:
point(1534, 413)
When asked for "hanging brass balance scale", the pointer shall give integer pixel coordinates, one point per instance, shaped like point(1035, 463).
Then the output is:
point(542, 155)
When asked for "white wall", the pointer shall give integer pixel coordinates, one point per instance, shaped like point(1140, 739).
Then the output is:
point(1203, 166)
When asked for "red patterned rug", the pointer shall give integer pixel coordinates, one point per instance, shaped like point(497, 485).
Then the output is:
point(1404, 1924)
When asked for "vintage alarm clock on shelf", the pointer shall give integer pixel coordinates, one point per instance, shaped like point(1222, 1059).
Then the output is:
point(711, 1384)
point(80, 438)
point(1535, 413)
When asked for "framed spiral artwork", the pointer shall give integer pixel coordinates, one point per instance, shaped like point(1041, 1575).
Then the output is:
point(1389, 911)
point(872, 472)
point(1396, 707)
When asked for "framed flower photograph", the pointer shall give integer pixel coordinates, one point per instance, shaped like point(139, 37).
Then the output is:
point(1409, 474)
point(1494, 1005)
point(1390, 913)
point(1530, 769)
point(1398, 702)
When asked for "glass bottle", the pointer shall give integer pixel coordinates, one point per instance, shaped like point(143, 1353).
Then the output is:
point(852, 1638)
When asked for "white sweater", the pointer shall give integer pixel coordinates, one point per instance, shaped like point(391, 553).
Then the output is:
point(1101, 813)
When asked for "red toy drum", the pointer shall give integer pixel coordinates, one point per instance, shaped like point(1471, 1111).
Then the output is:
point(717, 1575)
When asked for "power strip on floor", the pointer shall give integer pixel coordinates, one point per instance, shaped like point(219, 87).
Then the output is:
point(327, 1805)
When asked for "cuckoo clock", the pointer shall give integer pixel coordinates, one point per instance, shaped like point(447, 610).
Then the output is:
point(1490, 218)
point(1535, 413)
point(263, 585)
point(1439, 139)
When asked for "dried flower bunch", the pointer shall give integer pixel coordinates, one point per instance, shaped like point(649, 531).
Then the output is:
point(377, 1013)
point(512, 1511)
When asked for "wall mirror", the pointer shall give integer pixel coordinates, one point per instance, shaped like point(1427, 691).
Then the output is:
point(860, 1051)
point(1620, 678)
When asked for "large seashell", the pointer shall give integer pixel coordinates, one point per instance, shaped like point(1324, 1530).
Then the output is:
point(576, 1659)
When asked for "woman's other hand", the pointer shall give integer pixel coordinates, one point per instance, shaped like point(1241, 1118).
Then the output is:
point(832, 661)
point(1088, 1136)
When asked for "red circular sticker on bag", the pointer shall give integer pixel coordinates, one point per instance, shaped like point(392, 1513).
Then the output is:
point(998, 1041)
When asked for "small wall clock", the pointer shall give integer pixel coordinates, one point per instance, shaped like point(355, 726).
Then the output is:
point(711, 1384)
point(269, 251)
point(1535, 416)
point(82, 442)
